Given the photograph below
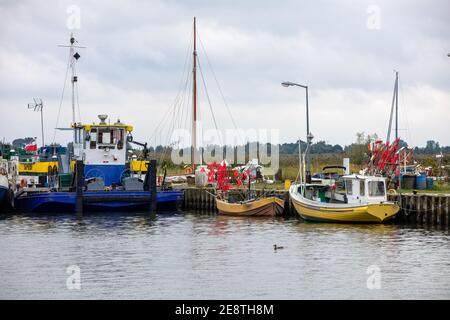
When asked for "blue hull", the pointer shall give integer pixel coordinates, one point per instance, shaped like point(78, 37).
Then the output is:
point(3, 195)
point(103, 201)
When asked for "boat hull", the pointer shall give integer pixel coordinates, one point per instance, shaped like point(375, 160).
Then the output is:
point(270, 206)
point(107, 201)
point(368, 213)
point(3, 197)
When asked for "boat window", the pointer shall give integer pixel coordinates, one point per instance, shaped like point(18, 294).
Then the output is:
point(118, 137)
point(105, 136)
point(93, 138)
point(349, 187)
point(362, 188)
point(376, 188)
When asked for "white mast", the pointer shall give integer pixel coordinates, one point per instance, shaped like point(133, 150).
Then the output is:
point(74, 56)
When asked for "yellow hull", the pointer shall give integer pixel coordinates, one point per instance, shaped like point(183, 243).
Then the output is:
point(366, 213)
point(270, 206)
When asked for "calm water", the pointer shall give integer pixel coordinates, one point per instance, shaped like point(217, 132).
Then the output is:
point(198, 256)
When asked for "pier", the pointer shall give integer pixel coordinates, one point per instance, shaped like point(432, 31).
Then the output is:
point(428, 209)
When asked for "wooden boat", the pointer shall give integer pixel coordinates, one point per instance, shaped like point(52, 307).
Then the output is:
point(268, 206)
point(362, 200)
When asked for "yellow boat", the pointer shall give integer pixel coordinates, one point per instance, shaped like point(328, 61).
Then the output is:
point(268, 206)
point(362, 199)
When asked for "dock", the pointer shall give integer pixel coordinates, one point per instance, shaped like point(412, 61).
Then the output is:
point(427, 209)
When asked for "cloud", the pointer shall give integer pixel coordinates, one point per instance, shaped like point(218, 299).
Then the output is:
point(134, 61)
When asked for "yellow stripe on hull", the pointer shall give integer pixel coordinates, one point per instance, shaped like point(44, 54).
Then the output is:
point(40, 167)
point(366, 213)
point(36, 167)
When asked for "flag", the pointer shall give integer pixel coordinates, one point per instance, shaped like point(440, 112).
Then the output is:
point(31, 147)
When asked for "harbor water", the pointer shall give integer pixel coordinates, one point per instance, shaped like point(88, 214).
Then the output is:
point(195, 255)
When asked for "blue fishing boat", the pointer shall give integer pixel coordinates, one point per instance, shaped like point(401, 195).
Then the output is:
point(98, 172)
point(97, 201)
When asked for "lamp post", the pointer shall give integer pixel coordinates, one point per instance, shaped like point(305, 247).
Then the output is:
point(309, 136)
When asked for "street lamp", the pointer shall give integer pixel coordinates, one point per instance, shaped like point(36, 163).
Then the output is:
point(309, 136)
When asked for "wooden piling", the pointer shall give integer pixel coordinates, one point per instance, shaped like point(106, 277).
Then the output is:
point(439, 210)
point(79, 186)
point(152, 186)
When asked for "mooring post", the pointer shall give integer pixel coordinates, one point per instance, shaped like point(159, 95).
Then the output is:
point(79, 183)
point(152, 185)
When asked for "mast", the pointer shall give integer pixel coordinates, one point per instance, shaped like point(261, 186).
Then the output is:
point(194, 101)
point(396, 104)
point(73, 78)
point(74, 56)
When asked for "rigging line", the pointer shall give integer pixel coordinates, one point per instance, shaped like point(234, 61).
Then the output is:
point(189, 98)
point(61, 100)
point(209, 101)
point(177, 96)
point(173, 123)
point(78, 100)
point(182, 98)
point(220, 89)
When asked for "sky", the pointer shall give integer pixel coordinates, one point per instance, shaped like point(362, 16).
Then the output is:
point(134, 65)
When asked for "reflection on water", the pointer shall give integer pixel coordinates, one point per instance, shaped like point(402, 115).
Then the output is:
point(204, 256)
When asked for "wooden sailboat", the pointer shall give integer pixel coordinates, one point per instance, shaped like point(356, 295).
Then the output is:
point(250, 204)
point(268, 206)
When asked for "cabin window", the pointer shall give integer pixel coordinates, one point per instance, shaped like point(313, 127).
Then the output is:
point(376, 188)
point(105, 136)
point(362, 188)
point(118, 137)
point(93, 139)
point(349, 187)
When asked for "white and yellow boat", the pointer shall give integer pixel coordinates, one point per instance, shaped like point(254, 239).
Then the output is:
point(267, 206)
point(360, 199)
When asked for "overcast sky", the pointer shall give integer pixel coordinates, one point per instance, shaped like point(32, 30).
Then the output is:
point(345, 51)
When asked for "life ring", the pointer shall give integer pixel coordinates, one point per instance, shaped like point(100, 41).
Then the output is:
point(23, 183)
point(392, 191)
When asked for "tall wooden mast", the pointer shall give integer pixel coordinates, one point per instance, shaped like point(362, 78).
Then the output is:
point(194, 102)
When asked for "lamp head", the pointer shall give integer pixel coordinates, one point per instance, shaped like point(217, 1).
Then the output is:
point(286, 84)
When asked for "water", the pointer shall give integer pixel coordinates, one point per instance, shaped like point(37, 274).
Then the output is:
point(204, 256)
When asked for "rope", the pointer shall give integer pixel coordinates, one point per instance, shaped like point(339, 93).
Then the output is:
point(209, 102)
point(220, 89)
point(61, 100)
point(78, 103)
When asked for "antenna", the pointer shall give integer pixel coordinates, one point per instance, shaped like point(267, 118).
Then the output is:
point(74, 56)
point(38, 106)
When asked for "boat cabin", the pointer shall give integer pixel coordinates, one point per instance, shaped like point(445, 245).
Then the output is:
point(103, 149)
point(351, 189)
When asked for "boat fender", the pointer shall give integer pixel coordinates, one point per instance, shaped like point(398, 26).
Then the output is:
point(23, 183)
